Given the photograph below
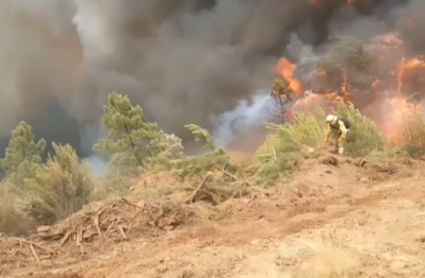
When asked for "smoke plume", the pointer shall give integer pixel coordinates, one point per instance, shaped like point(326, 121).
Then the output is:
point(183, 61)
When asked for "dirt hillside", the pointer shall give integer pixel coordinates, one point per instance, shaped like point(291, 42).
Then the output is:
point(338, 217)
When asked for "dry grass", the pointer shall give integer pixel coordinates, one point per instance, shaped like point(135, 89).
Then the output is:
point(413, 136)
point(330, 262)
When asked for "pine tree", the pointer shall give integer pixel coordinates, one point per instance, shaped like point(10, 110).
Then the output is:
point(23, 155)
point(127, 130)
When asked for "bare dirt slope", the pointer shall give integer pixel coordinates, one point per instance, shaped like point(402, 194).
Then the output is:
point(338, 218)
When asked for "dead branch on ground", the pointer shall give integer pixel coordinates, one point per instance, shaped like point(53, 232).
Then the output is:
point(192, 197)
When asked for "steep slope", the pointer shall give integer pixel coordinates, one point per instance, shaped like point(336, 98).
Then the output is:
point(337, 217)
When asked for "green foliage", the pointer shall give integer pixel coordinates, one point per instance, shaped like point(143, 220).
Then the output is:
point(23, 156)
point(61, 187)
point(131, 141)
point(200, 164)
point(128, 132)
point(307, 132)
point(166, 148)
point(132, 145)
point(364, 136)
point(280, 166)
point(281, 87)
point(201, 134)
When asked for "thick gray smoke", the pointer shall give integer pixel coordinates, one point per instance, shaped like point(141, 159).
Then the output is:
point(183, 61)
point(245, 116)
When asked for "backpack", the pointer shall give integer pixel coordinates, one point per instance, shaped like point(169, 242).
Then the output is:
point(345, 121)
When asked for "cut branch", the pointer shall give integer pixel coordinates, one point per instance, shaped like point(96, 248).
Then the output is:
point(192, 197)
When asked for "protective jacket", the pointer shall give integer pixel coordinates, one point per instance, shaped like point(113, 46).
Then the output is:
point(341, 126)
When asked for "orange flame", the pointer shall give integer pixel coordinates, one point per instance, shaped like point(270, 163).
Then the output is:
point(379, 102)
point(404, 67)
point(395, 121)
point(286, 70)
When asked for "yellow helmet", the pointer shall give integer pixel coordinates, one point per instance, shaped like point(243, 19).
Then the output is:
point(330, 118)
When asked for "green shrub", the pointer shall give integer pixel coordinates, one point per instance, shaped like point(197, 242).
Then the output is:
point(61, 187)
point(279, 159)
point(306, 134)
point(200, 164)
point(306, 131)
point(364, 136)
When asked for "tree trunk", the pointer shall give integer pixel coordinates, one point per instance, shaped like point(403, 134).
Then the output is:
point(133, 145)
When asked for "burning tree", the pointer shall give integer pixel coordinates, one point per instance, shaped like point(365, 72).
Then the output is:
point(281, 94)
point(367, 75)
point(346, 66)
point(411, 80)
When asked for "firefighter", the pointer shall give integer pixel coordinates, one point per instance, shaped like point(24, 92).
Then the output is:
point(339, 127)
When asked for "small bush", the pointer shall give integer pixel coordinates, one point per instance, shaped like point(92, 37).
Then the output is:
point(364, 136)
point(307, 131)
point(61, 187)
point(281, 154)
point(200, 164)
